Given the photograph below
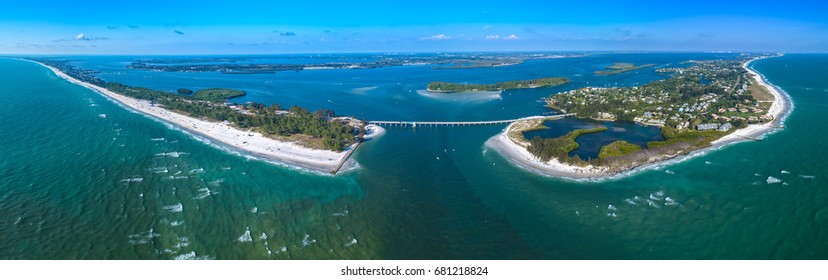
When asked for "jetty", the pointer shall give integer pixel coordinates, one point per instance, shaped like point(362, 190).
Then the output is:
point(346, 157)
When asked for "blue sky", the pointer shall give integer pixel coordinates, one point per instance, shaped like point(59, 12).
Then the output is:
point(267, 27)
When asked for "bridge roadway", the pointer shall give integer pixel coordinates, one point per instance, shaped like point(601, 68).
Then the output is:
point(421, 123)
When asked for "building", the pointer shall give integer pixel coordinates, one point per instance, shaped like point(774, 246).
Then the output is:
point(707, 126)
point(725, 127)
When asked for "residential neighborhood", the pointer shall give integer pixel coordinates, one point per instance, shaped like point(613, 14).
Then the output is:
point(704, 95)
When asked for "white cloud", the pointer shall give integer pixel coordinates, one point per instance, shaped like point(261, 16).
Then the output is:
point(511, 37)
point(437, 37)
point(492, 37)
point(84, 37)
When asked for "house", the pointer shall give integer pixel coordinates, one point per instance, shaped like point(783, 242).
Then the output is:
point(707, 126)
point(725, 127)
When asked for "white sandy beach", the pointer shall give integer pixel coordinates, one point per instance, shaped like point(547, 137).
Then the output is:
point(248, 141)
point(779, 107)
point(521, 157)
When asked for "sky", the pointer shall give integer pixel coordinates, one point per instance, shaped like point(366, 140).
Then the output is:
point(305, 26)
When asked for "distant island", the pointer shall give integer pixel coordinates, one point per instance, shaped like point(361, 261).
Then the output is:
point(445, 87)
point(265, 65)
point(621, 67)
point(315, 140)
point(213, 94)
point(710, 103)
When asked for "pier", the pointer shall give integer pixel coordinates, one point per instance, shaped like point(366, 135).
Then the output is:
point(415, 124)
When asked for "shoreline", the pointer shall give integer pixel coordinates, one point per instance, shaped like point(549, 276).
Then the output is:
point(253, 143)
point(518, 155)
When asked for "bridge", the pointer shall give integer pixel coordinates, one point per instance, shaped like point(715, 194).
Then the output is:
point(424, 123)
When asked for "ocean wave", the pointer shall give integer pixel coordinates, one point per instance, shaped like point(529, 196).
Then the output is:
point(773, 180)
point(203, 193)
point(352, 242)
point(246, 237)
point(143, 237)
point(175, 208)
point(171, 154)
point(183, 241)
point(191, 256)
point(157, 170)
point(216, 183)
point(340, 214)
point(670, 202)
point(133, 180)
point(307, 241)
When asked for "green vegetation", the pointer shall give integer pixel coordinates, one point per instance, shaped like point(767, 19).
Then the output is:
point(560, 147)
point(618, 148)
point(621, 67)
point(321, 129)
point(455, 87)
point(695, 138)
point(217, 94)
point(709, 92)
point(622, 155)
point(184, 91)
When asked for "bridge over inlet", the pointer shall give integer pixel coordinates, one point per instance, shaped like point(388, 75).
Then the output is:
point(424, 123)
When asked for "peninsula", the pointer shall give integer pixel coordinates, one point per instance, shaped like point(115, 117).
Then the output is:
point(445, 87)
point(709, 104)
point(318, 141)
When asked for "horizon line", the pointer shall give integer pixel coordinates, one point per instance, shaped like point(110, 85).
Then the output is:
point(400, 52)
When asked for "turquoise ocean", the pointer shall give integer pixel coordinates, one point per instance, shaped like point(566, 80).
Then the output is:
point(83, 178)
